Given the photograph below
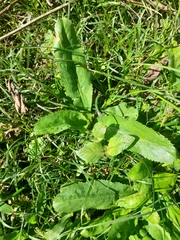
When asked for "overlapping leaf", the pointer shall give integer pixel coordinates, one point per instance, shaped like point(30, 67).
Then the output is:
point(148, 143)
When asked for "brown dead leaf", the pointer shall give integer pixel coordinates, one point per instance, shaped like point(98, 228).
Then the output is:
point(17, 97)
point(163, 7)
point(152, 74)
point(153, 5)
point(164, 61)
point(154, 71)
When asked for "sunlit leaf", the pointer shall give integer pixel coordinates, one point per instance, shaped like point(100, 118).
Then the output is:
point(5, 208)
point(148, 143)
point(158, 232)
point(134, 200)
point(99, 130)
point(122, 110)
point(59, 121)
point(140, 170)
point(151, 216)
point(164, 182)
point(98, 195)
point(118, 143)
point(173, 213)
point(91, 152)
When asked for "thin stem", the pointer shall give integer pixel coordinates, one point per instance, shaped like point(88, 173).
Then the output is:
point(33, 21)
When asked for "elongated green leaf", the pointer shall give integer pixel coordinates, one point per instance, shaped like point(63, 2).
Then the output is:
point(63, 56)
point(71, 65)
point(59, 121)
point(91, 152)
point(98, 195)
point(148, 143)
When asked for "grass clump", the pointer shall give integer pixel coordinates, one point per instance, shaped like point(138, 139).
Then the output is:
point(89, 125)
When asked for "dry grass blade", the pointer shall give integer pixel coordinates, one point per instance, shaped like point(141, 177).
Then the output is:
point(17, 97)
point(7, 8)
point(33, 21)
point(160, 6)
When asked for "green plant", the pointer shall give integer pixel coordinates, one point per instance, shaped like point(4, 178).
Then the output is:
point(104, 162)
point(115, 131)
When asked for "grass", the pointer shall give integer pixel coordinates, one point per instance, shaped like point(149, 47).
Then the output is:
point(121, 41)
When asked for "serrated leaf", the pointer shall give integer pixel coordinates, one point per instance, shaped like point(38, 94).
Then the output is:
point(59, 121)
point(118, 143)
point(148, 143)
point(153, 218)
point(98, 195)
point(91, 152)
point(71, 65)
point(164, 182)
